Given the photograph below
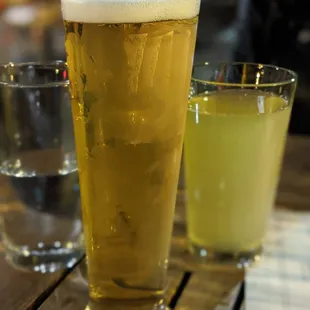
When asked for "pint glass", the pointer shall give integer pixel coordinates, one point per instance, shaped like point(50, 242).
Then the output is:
point(129, 65)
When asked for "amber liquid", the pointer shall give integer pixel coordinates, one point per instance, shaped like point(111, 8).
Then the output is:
point(129, 87)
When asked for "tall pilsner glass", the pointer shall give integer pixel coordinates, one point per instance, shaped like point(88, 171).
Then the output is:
point(130, 64)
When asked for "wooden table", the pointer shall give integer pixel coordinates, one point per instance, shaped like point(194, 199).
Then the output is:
point(281, 281)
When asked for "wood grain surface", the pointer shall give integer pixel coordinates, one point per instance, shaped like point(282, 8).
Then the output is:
point(23, 290)
point(208, 289)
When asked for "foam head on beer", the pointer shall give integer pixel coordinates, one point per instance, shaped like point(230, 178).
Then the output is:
point(128, 11)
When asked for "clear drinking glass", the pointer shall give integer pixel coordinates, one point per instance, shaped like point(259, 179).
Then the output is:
point(237, 122)
point(130, 64)
point(40, 207)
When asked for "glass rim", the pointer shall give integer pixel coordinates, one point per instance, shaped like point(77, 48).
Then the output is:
point(48, 64)
point(292, 80)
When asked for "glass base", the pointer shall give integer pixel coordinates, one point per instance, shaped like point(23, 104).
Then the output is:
point(44, 260)
point(139, 304)
point(118, 289)
point(239, 259)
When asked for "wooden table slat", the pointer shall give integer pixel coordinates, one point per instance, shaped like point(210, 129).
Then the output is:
point(21, 290)
point(207, 289)
point(231, 299)
point(72, 293)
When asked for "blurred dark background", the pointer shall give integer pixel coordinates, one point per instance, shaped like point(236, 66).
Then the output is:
point(266, 31)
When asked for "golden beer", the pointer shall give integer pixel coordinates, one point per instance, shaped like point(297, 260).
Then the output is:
point(129, 85)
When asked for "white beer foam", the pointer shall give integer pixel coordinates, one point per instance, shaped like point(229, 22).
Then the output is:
point(128, 11)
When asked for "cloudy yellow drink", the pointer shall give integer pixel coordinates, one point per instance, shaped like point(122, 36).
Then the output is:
point(130, 65)
point(232, 179)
